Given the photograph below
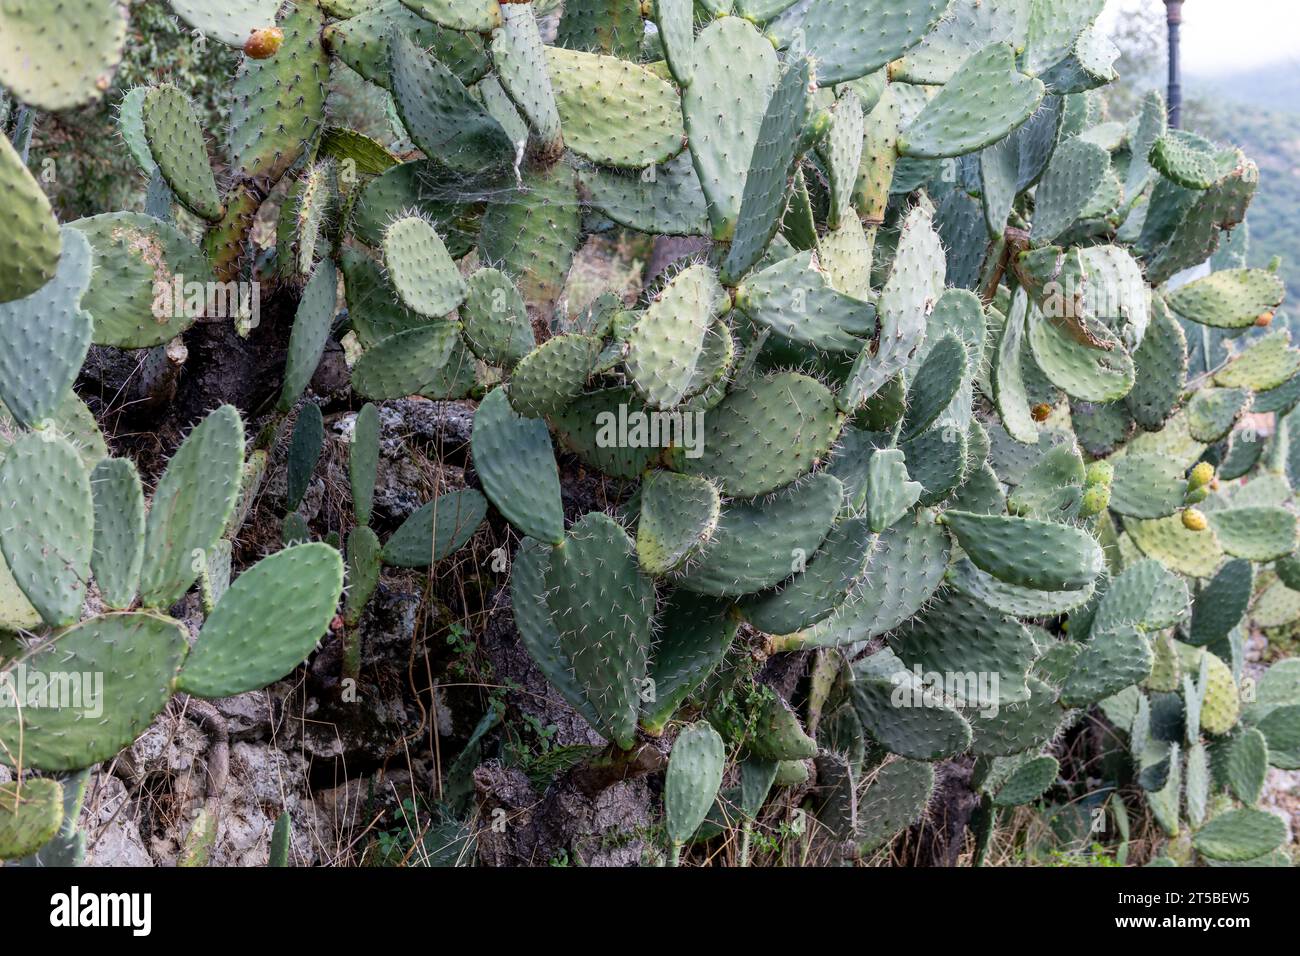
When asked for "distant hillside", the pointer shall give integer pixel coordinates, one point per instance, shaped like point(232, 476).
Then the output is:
point(1260, 111)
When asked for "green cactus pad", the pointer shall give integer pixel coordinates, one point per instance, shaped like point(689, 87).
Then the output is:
point(553, 375)
point(931, 391)
point(495, 318)
point(1281, 728)
point(1192, 229)
point(679, 515)
point(532, 233)
point(472, 16)
point(1027, 782)
point(667, 342)
point(1258, 533)
point(1230, 298)
point(520, 59)
point(1221, 603)
point(1008, 375)
point(777, 733)
point(1028, 552)
point(589, 428)
point(776, 148)
point(958, 634)
point(176, 143)
point(440, 115)
point(30, 815)
point(1111, 661)
point(694, 635)
point(724, 113)
point(304, 453)
point(966, 28)
point(44, 338)
point(267, 623)
point(1016, 728)
point(1266, 363)
point(841, 154)
point(363, 43)
point(1194, 553)
point(915, 283)
point(424, 187)
point(895, 797)
point(137, 654)
point(54, 56)
point(890, 494)
point(365, 560)
point(1053, 488)
point(1146, 595)
point(1076, 171)
point(136, 258)
point(828, 577)
point(758, 544)
point(130, 122)
point(602, 606)
point(1147, 486)
point(764, 435)
point(516, 465)
point(911, 729)
point(191, 506)
point(848, 45)
point(119, 530)
point(666, 199)
point(311, 328)
point(983, 102)
point(420, 268)
point(904, 570)
point(1213, 412)
point(29, 249)
point(406, 363)
point(536, 630)
point(1082, 370)
point(279, 103)
point(1187, 159)
point(47, 522)
point(614, 112)
point(229, 23)
point(436, 530)
point(1246, 765)
point(1240, 835)
point(1013, 600)
point(795, 299)
point(693, 778)
point(1053, 29)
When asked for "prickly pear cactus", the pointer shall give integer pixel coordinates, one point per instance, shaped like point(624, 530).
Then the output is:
point(965, 406)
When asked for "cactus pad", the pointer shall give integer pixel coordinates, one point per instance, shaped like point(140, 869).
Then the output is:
point(516, 464)
point(266, 623)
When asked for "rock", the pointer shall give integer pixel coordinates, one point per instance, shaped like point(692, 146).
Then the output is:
point(522, 829)
point(111, 819)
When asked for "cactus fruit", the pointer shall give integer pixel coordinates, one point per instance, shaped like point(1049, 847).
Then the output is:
point(1194, 520)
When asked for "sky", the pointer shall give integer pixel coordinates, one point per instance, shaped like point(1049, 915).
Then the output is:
point(1228, 35)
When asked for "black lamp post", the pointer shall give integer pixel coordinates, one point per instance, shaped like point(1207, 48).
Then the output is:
point(1174, 18)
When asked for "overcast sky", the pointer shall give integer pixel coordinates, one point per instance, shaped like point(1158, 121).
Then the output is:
point(1222, 35)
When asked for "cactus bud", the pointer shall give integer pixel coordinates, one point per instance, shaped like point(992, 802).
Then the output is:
point(1099, 473)
point(1096, 499)
point(263, 44)
point(1041, 411)
point(1194, 520)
